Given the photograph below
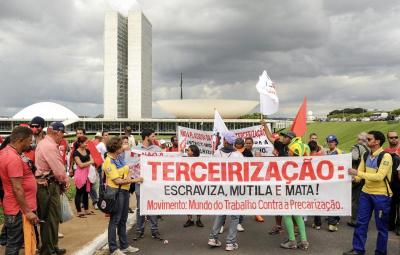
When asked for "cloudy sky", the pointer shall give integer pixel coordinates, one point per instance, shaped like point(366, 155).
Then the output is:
point(337, 53)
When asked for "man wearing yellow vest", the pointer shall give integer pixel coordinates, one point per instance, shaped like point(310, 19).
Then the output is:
point(376, 169)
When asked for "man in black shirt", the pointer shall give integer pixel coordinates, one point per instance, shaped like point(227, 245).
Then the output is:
point(281, 147)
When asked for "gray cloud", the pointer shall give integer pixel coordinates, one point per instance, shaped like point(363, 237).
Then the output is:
point(338, 53)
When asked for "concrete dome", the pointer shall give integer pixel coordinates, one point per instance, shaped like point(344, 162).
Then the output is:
point(46, 110)
point(204, 108)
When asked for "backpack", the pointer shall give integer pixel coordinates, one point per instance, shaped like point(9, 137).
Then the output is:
point(395, 182)
point(361, 148)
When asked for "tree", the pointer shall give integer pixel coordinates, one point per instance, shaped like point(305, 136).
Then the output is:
point(395, 112)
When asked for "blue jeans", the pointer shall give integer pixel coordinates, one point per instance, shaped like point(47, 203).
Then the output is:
point(219, 222)
point(140, 219)
point(380, 205)
point(118, 221)
point(15, 234)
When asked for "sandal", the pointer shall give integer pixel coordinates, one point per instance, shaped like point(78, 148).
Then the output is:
point(82, 216)
point(90, 213)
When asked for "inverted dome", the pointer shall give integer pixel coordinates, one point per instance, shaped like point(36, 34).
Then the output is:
point(46, 110)
point(204, 108)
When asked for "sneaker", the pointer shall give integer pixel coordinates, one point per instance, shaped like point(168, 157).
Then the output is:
point(138, 236)
point(332, 228)
point(276, 230)
point(231, 246)
point(60, 235)
point(156, 236)
point(118, 252)
point(317, 227)
point(239, 228)
point(351, 252)
point(188, 223)
point(214, 242)
point(130, 249)
point(221, 230)
point(259, 218)
point(303, 245)
point(289, 244)
point(95, 207)
point(199, 223)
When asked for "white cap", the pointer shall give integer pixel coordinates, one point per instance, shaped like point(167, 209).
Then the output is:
point(162, 142)
point(98, 134)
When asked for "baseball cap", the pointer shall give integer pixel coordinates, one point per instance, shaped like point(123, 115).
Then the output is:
point(98, 134)
point(332, 138)
point(162, 142)
point(289, 134)
point(57, 126)
point(39, 121)
point(128, 128)
point(230, 137)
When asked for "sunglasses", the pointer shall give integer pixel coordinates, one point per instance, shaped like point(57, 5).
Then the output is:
point(369, 139)
point(393, 137)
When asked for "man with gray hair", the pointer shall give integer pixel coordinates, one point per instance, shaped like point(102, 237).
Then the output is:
point(357, 152)
point(51, 177)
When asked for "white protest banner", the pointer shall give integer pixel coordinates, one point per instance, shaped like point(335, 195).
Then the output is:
point(203, 139)
point(246, 186)
point(189, 136)
point(218, 130)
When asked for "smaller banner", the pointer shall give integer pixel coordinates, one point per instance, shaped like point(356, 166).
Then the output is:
point(204, 140)
point(246, 186)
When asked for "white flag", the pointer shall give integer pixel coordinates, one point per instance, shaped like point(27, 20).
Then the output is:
point(269, 101)
point(219, 129)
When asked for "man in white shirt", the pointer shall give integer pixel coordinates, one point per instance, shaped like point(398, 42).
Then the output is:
point(101, 147)
point(228, 151)
point(131, 138)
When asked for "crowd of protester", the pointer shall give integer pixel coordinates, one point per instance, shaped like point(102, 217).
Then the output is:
point(36, 168)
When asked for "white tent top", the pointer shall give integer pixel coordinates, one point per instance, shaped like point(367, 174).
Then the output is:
point(46, 110)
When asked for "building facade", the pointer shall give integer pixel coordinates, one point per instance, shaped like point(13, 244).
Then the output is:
point(127, 66)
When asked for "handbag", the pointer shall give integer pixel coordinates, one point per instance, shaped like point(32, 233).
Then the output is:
point(108, 198)
point(92, 176)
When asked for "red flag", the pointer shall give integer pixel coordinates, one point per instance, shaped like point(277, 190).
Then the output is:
point(299, 125)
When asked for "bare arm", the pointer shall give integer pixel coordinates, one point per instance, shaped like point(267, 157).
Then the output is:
point(120, 181)
point(267, 132)
point(83, 165)
point(18, 190)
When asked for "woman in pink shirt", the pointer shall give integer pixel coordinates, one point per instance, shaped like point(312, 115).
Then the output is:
point(83, 160)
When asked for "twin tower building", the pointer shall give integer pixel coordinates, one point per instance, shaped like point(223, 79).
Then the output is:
point(127, 66)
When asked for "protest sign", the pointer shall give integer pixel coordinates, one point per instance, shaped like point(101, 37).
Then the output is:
point(189, 136)
point(203, 139)
point(246, 186)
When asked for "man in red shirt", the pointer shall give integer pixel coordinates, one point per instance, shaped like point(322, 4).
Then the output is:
point(174, 141)
point(394, 145)
point(19, 187)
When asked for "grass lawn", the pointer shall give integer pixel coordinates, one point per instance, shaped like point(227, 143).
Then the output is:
point(347, 131)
